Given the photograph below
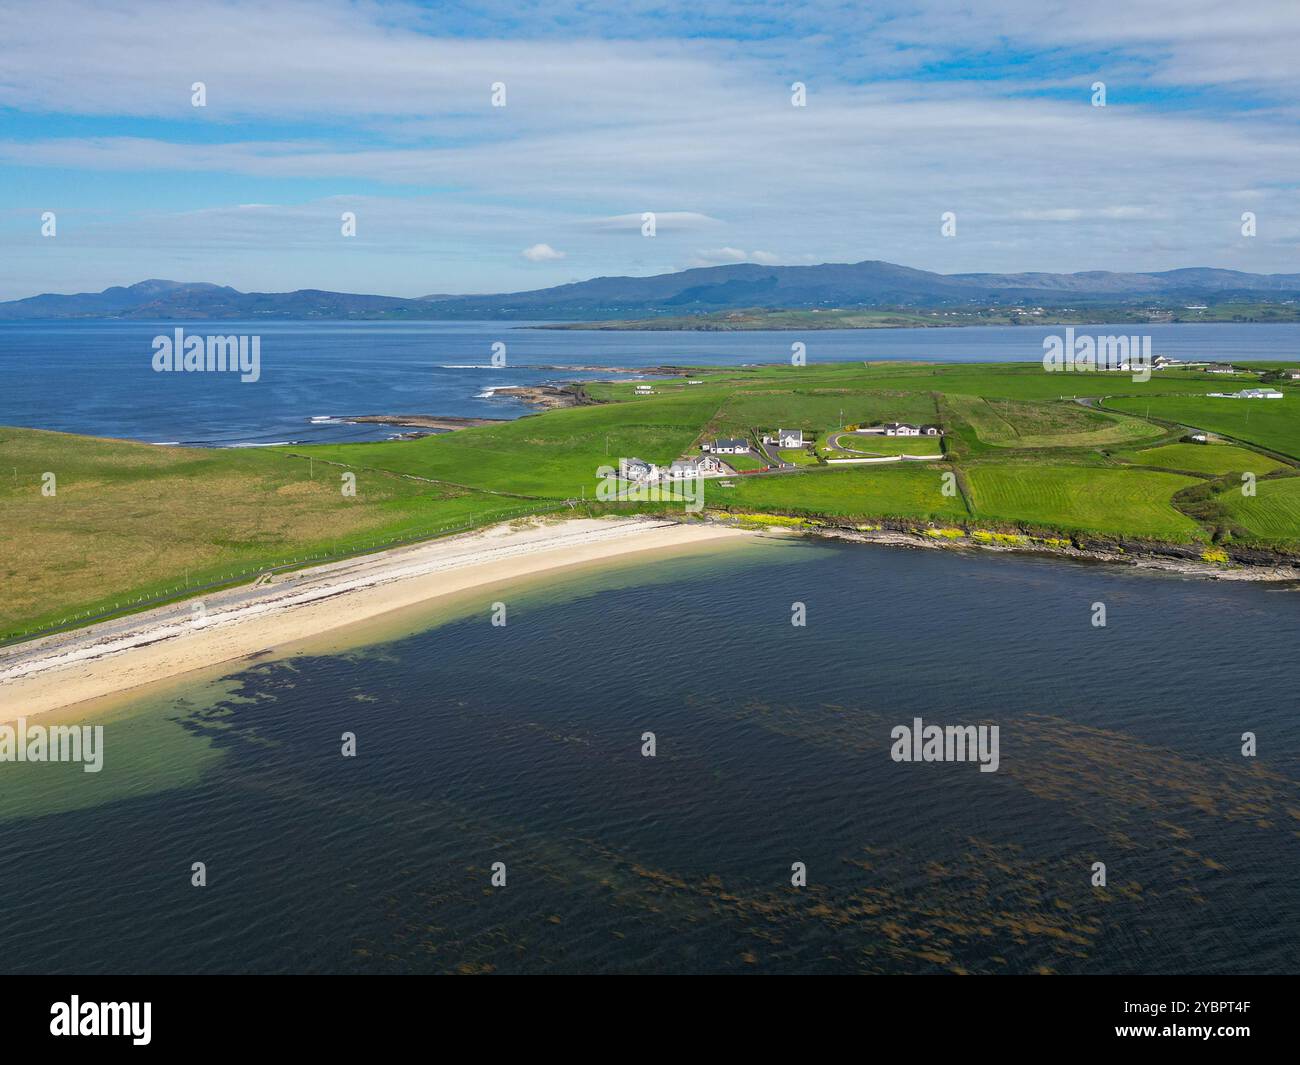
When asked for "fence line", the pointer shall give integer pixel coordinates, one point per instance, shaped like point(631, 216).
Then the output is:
point(178, 592)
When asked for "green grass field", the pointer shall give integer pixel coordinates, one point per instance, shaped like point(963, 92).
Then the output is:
point(556, 455)
point(1083, 499)
point(1213, 459)
point(1063, 424)
point(751, 461)
point(816, 410)
point(890, 491)
point(1269, 423)
point(1272, 514)
point(879, 444)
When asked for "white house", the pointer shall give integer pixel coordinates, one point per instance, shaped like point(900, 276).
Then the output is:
point(638, 470)
point(1293, 374)
point(727, 446)
point(1198, 438)
point(789, 437)
point(901, 429)
point(695, 467)
point(1221, 367)
point(1248, 393)
point(645, 390)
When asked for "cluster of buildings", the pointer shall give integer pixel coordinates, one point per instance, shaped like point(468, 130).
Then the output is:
point(641, 472)
point(1249, 393)
point(708, 464)
point(740, 446)
point(1163, 362)
point(785, 438)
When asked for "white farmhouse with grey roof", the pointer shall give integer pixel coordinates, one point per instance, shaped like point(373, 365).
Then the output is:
point(705, 465)
point(635, 469)
point(726, 445)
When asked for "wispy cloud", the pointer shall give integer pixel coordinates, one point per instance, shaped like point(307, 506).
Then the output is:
point(913, 109)
point(720, 256)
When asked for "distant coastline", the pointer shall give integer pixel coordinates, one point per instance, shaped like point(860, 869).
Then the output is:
point(948, 318)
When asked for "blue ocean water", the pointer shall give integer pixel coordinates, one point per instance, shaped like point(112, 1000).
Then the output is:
point(523, 745)
point(96, 377)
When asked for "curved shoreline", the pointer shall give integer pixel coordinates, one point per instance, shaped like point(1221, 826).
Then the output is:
point(114, 657)
point(1140, 557)
point(118, 656)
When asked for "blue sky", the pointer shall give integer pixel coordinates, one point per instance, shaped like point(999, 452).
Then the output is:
point(384, 110)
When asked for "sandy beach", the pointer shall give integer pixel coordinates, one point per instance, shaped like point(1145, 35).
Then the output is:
point(117, 656)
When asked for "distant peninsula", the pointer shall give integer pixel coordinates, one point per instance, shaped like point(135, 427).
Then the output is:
point(861, 295)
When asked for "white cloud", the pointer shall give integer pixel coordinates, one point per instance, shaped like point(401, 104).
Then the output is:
point(1078, 214)
point(541, 253)
point(664, 221)
point(719, 256)
point(615, 113)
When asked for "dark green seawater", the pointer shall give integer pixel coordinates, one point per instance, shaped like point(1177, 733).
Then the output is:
point(522, 744)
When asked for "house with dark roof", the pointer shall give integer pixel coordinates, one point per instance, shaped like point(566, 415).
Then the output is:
point(635, 469)
point(727, 445)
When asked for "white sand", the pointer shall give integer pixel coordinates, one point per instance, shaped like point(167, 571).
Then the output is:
point(117, 656)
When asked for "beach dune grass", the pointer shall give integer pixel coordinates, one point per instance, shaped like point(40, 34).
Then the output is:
point(130, 521)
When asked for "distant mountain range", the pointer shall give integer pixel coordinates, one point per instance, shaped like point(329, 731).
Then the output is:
point(704, 290)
